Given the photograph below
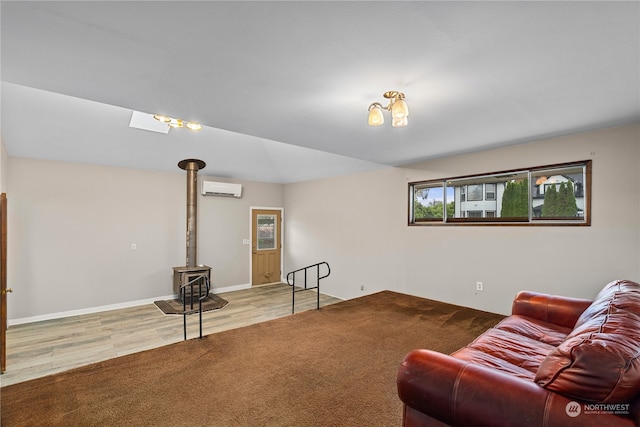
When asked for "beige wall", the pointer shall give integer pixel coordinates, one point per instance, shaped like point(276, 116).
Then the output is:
point(223, 224)
point(72, 226)
point(358, 224)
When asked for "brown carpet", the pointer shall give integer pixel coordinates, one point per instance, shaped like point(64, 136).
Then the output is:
point(212, 302)
point(332, 367)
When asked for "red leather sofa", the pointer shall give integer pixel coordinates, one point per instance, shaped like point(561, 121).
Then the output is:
point(555, 361)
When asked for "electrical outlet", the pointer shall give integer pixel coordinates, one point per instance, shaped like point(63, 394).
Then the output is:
point(362, 287)
point(134, 247)
point(479, 286)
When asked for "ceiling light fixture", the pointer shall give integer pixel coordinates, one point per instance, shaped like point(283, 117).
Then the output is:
point(177, 123)
point(161, 118)
point(397, 106)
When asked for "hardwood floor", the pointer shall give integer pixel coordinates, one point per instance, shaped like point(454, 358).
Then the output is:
point(42, 348)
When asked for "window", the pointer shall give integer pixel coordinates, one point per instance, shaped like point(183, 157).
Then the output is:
point(490, 191)
point(558, 193)
point(474, 192)
point(545, 195)
point(482, 196)
point(428, 202)
point(267, 229)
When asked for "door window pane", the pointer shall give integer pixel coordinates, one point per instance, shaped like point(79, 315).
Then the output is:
point(267, 229)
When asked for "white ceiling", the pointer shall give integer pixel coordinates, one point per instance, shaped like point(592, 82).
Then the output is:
point(283, 87)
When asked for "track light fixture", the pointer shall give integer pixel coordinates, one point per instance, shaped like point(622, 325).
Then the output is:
point(397, 106)
point(177, 123)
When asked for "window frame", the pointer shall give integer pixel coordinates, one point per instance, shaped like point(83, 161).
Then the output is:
point(487, 192)
point(429, 185)
point(583, 191)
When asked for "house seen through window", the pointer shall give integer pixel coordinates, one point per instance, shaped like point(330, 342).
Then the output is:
point(557, 194)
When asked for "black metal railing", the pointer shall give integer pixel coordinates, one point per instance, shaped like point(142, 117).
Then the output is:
point(198, 282)
point(291, 281)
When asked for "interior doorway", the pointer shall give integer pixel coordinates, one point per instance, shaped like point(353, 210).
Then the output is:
point(266, 246)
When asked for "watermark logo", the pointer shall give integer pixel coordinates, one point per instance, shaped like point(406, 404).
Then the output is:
point(573, 409)
point(606, 408)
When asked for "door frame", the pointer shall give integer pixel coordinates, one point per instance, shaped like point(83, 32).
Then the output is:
point(254, 208)
point(3, 282)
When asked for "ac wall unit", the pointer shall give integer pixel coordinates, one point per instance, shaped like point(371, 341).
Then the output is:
point(210, 188)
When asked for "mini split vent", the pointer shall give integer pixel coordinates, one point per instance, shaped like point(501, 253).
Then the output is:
point(210, 188)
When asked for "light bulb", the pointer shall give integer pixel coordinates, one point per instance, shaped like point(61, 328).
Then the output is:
point(161, 118)
point(399, 122)
point(176, 123)
point(193, 125)
point(399, 109)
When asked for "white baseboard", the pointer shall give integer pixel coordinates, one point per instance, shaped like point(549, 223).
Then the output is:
point(230, 288)
point(128, 304)
point(89, 310)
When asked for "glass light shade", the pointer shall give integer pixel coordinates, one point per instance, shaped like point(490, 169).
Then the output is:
point(176, 123)
point(399, 109)
point(161, 118)
point(193, 125)
point(375, 116)
point(399, 122)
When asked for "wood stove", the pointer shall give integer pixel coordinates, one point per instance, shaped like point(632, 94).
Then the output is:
point(195, 278)
point(190, 273)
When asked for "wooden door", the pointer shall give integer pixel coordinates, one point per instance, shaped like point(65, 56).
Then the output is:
point(3, 282)
point(266, 247)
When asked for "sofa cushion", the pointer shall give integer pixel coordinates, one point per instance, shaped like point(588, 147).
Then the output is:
point(535, 329)
point(507, 352)
point(600, 359)
point(602, 303)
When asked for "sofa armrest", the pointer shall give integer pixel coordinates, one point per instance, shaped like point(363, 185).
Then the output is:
point(461, 393)
point(559, 310)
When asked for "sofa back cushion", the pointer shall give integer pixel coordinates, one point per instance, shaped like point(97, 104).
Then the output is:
point(599, 361)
